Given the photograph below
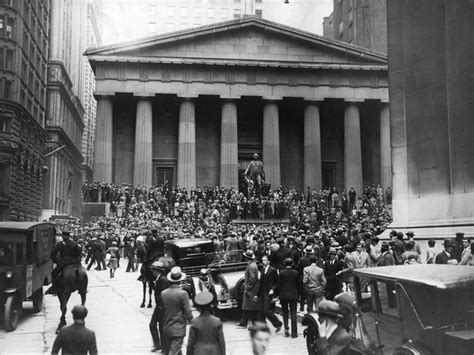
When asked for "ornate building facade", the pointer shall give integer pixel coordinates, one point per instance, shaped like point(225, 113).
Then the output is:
point(23, 61)
point(65, 110)
point(191, 107)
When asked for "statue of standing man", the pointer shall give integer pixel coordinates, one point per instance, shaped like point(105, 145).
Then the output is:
point(255, 173)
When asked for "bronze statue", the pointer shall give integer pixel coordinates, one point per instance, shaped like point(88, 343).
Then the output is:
point(254, 174)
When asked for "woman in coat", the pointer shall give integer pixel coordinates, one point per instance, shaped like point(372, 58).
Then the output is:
point(206, 336)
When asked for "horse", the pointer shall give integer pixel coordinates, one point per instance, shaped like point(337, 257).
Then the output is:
point(73, 278)
point(146, 276)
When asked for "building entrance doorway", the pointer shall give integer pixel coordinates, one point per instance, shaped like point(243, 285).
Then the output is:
point(164, 176)
point(328, 172)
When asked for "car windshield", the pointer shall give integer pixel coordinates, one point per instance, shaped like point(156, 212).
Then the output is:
point(6, 253)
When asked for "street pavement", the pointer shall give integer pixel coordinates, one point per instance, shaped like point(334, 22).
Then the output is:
point(121, 326)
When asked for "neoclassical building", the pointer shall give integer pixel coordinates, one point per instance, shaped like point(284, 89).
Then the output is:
point(191, 107)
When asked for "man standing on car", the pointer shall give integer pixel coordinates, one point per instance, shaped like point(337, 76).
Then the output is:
point(176, 312)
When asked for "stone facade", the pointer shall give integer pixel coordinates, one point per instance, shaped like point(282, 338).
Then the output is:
point(360, 22)
point(220, 93)
point(431, 105)
point(65, 110)
point(23, 56)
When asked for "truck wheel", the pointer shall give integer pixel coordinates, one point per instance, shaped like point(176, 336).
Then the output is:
point(12, 312)
point(37, 299)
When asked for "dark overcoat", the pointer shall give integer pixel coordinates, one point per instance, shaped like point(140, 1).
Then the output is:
point(251, 287)
point(206, 336)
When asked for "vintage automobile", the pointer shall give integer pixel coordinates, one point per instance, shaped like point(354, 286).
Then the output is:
point(225, 270)
point(416, 309)
point(25, 266)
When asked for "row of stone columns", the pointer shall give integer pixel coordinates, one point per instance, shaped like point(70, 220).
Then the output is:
point(186, 169)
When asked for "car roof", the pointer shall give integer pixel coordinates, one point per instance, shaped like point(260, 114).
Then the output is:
point(433, 275)
point(21, 226)
point(188, 242)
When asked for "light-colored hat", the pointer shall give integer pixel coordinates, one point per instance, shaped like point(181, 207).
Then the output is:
point(203, 298)
point(176, 275)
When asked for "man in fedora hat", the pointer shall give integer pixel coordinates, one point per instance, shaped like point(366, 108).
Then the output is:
point(386, 257)
point(333, 338)
point(303, 262)
point(446, 256)
point(331, 268)
point(250, 299)
point(161, 283)
point(206, 336)
point(176, 312)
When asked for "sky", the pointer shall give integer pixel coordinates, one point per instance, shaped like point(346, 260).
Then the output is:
point(126, 20)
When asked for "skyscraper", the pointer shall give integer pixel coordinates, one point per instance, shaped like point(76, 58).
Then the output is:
point(23, 61)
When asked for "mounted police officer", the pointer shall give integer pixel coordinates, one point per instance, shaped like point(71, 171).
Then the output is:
point(67, 252)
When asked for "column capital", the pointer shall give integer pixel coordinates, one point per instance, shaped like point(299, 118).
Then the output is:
point(316, 102)
point(272, 98)
point(187, 97)
point(104, 96)
point(144, 95)
point(353, 101)
point(229, 98)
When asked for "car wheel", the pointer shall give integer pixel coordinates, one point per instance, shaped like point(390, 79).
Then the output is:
point(37, 299)
point(12, 312)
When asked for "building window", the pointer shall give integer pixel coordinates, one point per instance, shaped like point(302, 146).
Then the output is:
point(4, 123)
point(9, 60)
point(258, 13)
point(9, 32)
point(341, 28)
point(237, 13)
point(7, 89)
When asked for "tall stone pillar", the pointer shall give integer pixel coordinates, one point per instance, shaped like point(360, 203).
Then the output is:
point(385, 149)
point(142, 167)
point(312, 147)
point(229, 153)
point(103, 140)
point(271, 144)
point(187, 145)
point(352, 149)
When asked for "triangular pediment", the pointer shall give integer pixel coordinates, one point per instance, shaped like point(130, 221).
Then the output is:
point(245, 40)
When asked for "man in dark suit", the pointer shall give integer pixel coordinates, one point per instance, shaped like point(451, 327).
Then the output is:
point(333, 281)
point(446, 256)
point(289, 285)
point(267, 290)
point(302, 263)
point(250, 298)
point(76, 338)
point(161, 284)
point(176, 313)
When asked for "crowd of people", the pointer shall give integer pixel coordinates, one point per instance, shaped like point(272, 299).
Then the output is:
point(307, 259)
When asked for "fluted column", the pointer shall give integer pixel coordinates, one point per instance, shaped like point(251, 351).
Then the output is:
point(271, 143)
point(352, 149)
point(385, 149)
point(142, 167)
point(103, 140)
point(312, 147)
point(229, 158)
point(187, 145)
